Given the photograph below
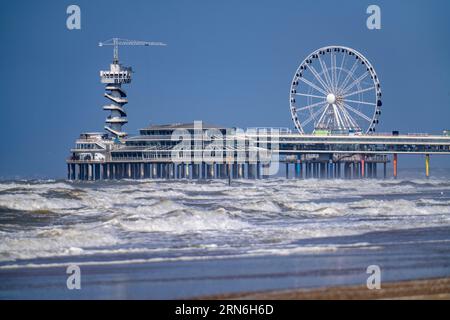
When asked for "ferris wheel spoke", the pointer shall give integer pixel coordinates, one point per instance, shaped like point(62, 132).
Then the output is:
point(322, 116)
point(361, 102)
point(349, 74)
point(309, 83)
point(338, 117)
point(323, 65)
point(310, 95)
point(311, 105)
point(357, 92)
point(343, 122)
point(333, 70)
point(340, 70)
point(313, 116)
point(351, 121)
point(346, 120)
point(361, 78)
point(359, 113)
point(318, 77)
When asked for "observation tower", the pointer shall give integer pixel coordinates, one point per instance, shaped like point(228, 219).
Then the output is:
point(114, 78)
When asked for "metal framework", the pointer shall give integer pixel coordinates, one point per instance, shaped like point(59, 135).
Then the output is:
point(114, 78)
point(336, 90)
point(116, 42)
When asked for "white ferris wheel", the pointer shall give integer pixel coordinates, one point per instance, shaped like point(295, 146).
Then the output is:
point(335, 89)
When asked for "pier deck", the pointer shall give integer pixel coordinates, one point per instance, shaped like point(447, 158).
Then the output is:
point(313, 156)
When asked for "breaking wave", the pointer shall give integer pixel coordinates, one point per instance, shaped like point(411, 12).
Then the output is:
point(168, 220)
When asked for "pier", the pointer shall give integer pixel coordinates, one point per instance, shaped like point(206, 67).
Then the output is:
point(151, 156)
point(335, 109)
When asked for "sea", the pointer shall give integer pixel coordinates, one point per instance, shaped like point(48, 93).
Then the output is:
point(162, 239)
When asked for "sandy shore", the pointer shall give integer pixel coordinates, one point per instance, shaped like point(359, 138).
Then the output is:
point(438, 288)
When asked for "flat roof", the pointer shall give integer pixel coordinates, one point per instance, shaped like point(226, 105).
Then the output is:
point(189, 125)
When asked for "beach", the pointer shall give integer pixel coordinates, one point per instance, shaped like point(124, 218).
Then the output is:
point(429, 289)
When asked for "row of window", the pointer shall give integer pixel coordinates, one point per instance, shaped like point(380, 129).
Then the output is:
point(86, 146)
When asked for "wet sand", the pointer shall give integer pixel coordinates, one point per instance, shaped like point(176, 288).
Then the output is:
point(435, 289)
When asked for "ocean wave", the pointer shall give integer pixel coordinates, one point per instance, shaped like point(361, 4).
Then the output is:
point(183, 221)
point(60, 219)
point(49, 242)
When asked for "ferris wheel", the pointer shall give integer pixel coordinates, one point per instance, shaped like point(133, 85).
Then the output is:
point(336, 90)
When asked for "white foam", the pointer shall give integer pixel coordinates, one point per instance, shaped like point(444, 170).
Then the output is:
point(256, 216)
point(52, 242)
point(183, 222)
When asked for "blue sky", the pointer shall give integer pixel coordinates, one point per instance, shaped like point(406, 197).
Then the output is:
point(227, 62)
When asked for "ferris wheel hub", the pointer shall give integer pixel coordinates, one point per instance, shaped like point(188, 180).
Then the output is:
point(331, 98)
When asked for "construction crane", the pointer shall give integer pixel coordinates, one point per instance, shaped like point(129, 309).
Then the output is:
point(116, 42)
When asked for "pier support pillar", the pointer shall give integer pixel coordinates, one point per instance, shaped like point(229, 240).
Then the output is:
point(258, 170)
point(309, 170)
point(338, 166)
point(395, 165)
point(72, 166)
point(167, 170)
point(97, 172)
point(297, 169)
point(347, 170)
point(234, 169)
point(323, 173)
point(330, 169)
point(194, 171)
point(241, 171)
point(154, 173)
point(212, 172)
point(141, 169)
point(128, 170)
point(89, 171)
point(158, 170)
point(363, 166)
point(427, 165)
point(250, 171)
point(300, 169)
